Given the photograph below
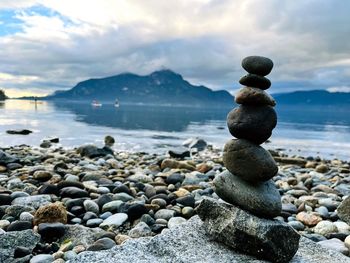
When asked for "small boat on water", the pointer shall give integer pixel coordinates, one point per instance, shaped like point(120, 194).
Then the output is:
point(116, 103)
point(36, 101)
point(95, 103)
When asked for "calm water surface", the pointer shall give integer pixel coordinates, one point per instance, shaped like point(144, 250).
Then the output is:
point(307, 130)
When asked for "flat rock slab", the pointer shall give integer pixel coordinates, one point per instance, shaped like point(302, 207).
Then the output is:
point(189, 243)
point(10, 240)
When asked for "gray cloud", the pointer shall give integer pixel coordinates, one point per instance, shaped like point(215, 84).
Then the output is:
point(308, 41)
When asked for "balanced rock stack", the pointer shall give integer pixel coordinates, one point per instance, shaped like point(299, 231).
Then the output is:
point(246, 223)
point(247, 183)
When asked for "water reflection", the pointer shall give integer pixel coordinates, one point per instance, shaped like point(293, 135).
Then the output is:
point(309, 128)
point(314, 114)
point(133, 117)
point(177, 119)
point(26, 105)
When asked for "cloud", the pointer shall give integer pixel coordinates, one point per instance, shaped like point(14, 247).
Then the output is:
point(63, 42)
point(339, 89)
point(16, 79)
point(10, 4)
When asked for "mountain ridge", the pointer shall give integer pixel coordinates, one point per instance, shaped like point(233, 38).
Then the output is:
point(165, 87)
point(314, 97)
point(159, 87)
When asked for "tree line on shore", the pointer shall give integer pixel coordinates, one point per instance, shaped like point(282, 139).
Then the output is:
point(2, 95)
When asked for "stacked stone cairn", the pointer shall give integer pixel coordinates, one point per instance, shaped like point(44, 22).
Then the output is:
point(246, 221)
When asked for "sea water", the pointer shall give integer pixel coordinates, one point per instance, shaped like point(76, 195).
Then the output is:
point(302, 129)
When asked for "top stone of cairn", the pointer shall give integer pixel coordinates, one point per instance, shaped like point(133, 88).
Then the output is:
point(257, 65)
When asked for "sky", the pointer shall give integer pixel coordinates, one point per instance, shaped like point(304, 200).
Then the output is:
point(47, 45)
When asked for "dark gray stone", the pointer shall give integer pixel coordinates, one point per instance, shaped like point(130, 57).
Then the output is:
point(289, 208)
point(249, 161)
point(14, 166)
point(181, 154)
point(262, 199)
point(53, 139)
point(73, 192)
point(95, 222)
point(255, 81)
point(19, 132)
point(6, 158)
point(48, 189)
point(175, 178)
point(136, 210)
point(64, 184)
point(197, 143)
point(21, 252)
point(102, 244)
point(343, 210)
point(51, 231)
point(92, 151)
point(263, 238)
point(109, 141)
point(254, 96)
point(257, 65)
point(5, 199)
point(45, 144)
point(147, 219)
point(253, 123)
point(187, 200)
point(297, 225)
point(189, 243)
point(19, 226)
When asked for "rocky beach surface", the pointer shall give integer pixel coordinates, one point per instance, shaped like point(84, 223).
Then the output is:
point(57, 203)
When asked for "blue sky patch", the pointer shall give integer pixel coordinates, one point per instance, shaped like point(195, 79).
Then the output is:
point(10, 24)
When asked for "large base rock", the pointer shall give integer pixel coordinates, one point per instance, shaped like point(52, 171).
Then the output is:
point(189, 243)
point(261, 199)
point(263, 238)
point(10, 240)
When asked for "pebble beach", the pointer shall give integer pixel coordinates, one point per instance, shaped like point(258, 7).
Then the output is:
point(56, 202)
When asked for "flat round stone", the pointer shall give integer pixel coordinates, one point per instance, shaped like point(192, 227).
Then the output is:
point(254, 96)
point(261, 199)
point(253, 123)
point(256, 81)
point(249, 161)
point(257, 65)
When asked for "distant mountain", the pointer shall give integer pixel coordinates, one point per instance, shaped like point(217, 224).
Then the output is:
point(160, 87)
point(313, 97)
point(166, 87)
